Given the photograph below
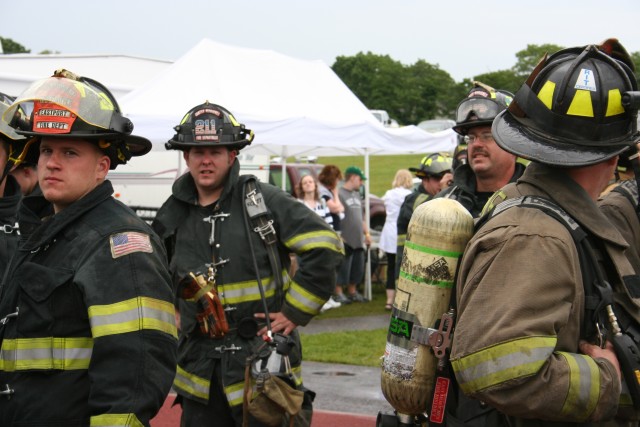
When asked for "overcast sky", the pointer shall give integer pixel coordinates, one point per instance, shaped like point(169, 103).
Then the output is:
point(464, 38)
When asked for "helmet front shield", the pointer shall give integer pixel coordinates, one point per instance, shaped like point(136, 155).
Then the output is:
point(58, 102)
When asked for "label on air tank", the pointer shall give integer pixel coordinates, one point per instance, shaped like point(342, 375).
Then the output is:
point(399, 362)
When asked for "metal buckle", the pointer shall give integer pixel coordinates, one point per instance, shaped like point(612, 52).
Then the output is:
point(224, 348)
point(9, 229)
point(7, 392)
point(212, 220)
point(265, 230)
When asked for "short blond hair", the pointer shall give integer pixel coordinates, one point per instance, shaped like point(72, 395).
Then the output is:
point(403, 178)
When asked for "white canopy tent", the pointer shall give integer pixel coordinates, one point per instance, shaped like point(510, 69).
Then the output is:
point(294, 106)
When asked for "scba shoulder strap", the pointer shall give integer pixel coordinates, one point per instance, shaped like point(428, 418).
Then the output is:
point(599, 303)
point(629, 189)
point(259, 218)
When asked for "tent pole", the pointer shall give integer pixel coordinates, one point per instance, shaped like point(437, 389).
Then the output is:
point(283, 162)
point(367, 214)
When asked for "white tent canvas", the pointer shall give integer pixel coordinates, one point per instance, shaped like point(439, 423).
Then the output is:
point(298, 104)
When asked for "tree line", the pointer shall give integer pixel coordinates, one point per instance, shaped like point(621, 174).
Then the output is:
point(416, 92)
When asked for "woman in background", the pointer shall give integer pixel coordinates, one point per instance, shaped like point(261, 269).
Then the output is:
point(329, 178)
point(400, 188)
point(307, 192)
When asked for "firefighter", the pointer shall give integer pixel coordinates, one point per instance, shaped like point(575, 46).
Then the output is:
point(11, 145)
point(431, 170)
point(87, 322)
point(206, 230)
point(520, 345)
point(488, 167)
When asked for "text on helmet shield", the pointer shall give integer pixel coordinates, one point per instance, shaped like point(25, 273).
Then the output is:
point(205, 130)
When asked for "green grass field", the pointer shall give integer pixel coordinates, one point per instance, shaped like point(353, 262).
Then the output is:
point(349, 347)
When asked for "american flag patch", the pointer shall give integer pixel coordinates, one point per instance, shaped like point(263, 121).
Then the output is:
point(128, 243)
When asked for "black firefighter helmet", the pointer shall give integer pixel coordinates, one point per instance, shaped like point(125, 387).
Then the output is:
point(570, 112)
point(209, 125)
point(70, 106)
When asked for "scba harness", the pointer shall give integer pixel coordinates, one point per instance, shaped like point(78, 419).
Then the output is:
point(603, 319)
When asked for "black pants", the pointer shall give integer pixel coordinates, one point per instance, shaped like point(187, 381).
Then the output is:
point(391, 271)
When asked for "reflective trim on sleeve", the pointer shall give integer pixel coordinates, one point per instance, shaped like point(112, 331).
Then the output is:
point(116, 420)
point(133, 315)
point(502, 362)
point(191, 384)
point(584, 386)
point(303, 300)
point(45, 353)
point(402, 238)
point(316, 239)
point(235, 393)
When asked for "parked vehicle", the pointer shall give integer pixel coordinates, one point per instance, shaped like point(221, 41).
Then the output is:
point(438, 125)
point(295, 172)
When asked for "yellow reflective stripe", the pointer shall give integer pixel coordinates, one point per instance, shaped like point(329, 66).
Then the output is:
point(316, 239)
point(116, 420)
point(581, 104)
point(191, 384)
point(420, 200)
point(402, 238)
point(45, 353)
point(584, 386)
point(497, 198)
point(303, 300)
point(546, 94)
point(132, 315)
point(297, 375)
point(614, 104)
point(503, 362)
point(238, 292)
point(235, 393)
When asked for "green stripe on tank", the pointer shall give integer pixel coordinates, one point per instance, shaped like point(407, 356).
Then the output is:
point(447, 284)
point(428, 250)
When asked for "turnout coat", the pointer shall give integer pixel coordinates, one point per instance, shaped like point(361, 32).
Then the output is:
point(181, 223)
point(87, 323)
point(521, 303)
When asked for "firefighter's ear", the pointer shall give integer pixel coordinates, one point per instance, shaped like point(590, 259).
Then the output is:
point(102, 167)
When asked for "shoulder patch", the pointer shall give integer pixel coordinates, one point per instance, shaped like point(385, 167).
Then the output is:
point(128, 243)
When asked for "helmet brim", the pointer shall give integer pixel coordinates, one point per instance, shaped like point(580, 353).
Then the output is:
point(137, 145)
point(512, 136)
point(175, 145)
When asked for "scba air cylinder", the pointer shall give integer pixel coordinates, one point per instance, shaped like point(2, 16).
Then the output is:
point(437, 235)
